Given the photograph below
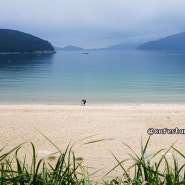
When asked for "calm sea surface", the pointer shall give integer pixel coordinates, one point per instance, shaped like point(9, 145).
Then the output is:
point(116, 77)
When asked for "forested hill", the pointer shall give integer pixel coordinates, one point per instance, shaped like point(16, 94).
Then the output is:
point(173, 42)
point(12, 41)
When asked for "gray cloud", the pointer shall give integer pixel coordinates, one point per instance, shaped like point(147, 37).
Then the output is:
point(94, 23)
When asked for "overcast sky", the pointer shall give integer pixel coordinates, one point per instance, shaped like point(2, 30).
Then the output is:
point(94, 23)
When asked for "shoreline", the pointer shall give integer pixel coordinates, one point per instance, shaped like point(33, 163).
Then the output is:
point(90, 104)
point(114, 124)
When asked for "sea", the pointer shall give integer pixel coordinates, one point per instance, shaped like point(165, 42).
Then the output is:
point(100, 77)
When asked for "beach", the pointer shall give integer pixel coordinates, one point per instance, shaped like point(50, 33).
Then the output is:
point(113, 125)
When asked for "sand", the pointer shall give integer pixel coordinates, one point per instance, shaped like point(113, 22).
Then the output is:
point(116, 124)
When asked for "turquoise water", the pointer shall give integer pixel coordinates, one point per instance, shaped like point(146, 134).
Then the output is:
point(101, 77)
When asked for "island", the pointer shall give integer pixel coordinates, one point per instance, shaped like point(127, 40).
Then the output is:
point(72, 48)
point(17, 42)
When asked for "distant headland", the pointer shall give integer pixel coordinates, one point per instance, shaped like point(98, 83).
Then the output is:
point(16, 42)
point(171, 43)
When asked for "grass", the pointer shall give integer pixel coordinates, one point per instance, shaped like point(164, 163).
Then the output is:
point(142, 169)
point(14, 171)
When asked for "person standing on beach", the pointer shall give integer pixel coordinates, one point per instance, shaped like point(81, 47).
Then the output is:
point(83, 102)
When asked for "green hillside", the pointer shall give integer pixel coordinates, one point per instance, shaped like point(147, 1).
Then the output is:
point(12, 41)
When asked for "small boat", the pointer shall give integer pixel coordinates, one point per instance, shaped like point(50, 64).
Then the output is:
point(85, 53)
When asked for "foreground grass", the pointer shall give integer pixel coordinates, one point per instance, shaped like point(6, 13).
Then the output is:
point(67, 170)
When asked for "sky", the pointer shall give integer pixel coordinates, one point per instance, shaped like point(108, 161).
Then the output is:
point(94, 23)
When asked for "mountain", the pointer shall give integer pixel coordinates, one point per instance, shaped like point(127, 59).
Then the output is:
point(12, 41)
point(122, 46)
point(69, 48)
point(173, 42)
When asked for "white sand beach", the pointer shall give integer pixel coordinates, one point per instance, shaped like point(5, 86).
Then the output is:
point(117, 124)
